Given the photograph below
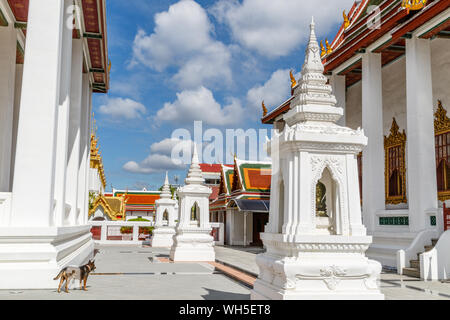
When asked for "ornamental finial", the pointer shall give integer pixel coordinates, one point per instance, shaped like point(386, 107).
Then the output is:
point(293, 81)
point(346, 20)
point(329, 50)
point(323, 51)
point(265, 112)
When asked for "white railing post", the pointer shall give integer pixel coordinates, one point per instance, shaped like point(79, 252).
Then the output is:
point(135, 233)
point(104, 231)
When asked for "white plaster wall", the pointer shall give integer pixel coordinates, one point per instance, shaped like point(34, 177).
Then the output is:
point(238, 228)
point(354, 106)
point(440, 68)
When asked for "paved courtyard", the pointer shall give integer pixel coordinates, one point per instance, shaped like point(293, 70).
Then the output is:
point(142, 273)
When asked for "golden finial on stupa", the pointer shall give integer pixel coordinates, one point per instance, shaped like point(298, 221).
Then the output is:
point(265, 112)
point(329, 50)
point(346, 20)
point(324, 52)
point(293, 81)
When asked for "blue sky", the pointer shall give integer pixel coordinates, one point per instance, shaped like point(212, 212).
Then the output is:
point(174, 62)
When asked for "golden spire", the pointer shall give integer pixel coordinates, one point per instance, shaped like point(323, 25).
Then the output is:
point(293, 81)
point(324, 52)
point(265, 112)
point(329, 50)
point(346, 20)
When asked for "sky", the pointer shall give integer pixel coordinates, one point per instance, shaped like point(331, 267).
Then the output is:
point(215, 61)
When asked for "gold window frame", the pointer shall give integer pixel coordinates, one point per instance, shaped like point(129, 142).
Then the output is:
point(394, 140)
point(441, 127)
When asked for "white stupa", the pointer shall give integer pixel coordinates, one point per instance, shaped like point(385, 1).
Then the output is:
point(166, 215)
point(315, 254)
point(193, 240)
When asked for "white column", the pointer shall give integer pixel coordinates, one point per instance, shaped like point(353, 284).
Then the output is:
point(245, 228)
point(422, 185)
point(83, 193)
point(339, 90)
point(8, 47)
point(35, 155)
point(61, 209)
point(76, 96)
point(17, 97)
point(373, 155)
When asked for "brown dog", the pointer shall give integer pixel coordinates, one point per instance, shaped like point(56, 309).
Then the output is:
point(69, 273)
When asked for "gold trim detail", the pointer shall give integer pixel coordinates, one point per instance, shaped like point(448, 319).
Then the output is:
point(414, 4)
point(441, 121)
point(329, 50)
point(395, 140)
point(441, 127)
point(324, 52)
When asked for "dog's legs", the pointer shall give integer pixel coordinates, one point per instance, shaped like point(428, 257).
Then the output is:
point(67, 285)
point(85, 280)
point(60, 284)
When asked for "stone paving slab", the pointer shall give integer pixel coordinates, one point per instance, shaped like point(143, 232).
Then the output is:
point(129, 273)
point(145, 287)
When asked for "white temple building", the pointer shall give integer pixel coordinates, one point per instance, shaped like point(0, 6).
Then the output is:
point(193, 240)
point(49, 71)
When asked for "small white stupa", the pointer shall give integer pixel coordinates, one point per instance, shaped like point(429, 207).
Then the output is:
point(315, 253)
point(166, 214)
point(193, 240)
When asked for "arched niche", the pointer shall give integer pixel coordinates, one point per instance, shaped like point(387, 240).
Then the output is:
point(195, 214)
point(327, 204)
point(166, 217)
point(281, 205)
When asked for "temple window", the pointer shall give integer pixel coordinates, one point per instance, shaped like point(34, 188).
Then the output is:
point(442, 144)
point(395, 173)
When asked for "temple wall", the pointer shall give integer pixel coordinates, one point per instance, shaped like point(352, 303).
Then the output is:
point(394, 88)
point(440, 57)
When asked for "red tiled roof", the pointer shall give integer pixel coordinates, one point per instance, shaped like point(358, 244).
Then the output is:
point(205, 167)
point(215, 192)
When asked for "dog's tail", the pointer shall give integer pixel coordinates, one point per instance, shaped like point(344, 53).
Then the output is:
point(59, 275)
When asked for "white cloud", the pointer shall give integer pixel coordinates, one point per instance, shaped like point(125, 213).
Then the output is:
point(166, 146)
point(161, 159)
point(273, 92)
point(119, 108)
point(275, 28)
point(182, 38)
point(200, 105)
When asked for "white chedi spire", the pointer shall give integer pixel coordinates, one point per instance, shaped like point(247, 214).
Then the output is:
point(313, 88)
point(195, 173)
point(166, 193)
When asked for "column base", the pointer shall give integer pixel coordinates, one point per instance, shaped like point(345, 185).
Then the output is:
point(30, 258)
point(163, 237)
point(262, 291)
point(193, 245)
point(316, 267)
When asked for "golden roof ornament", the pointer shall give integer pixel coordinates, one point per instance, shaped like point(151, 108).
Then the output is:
point(265, 112)
point(324, 52)
point(414, 4)
point(329, 50)
point(293, 81)
point(346, 20)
